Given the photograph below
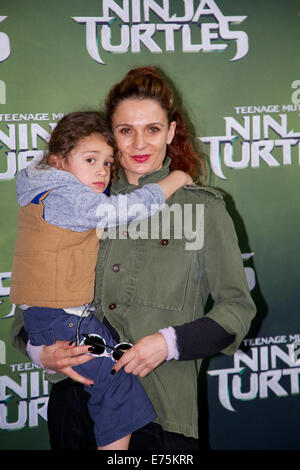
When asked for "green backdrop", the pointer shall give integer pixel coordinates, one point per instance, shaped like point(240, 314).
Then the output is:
point(235, 66)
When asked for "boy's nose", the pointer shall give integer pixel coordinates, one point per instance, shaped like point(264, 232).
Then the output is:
point(100, 171)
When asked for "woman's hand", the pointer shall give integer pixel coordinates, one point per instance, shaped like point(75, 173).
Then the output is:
point(61, 357)
point(144, 356)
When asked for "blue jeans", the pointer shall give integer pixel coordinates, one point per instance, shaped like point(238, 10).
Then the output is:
point(118, 403)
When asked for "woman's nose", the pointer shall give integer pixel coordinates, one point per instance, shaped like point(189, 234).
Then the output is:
point(139, 140)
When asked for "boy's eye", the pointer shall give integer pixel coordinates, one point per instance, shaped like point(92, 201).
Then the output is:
point(109, 164)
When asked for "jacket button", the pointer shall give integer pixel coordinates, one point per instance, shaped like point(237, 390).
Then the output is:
point(116, 268)
point(112, 306)
point(164, 242)
point(71, 325)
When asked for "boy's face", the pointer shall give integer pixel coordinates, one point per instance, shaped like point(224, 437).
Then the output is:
point(91, 161)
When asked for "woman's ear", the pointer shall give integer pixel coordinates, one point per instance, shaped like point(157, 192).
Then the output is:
point(56, 161)
point(171, 132)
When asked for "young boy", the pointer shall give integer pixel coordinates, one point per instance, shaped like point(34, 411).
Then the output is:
point(55, 256)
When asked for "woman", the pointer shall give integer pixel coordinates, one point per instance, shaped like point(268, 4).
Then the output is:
point(152, 289)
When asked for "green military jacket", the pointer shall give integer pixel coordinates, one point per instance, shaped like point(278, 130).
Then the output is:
point(157, 273)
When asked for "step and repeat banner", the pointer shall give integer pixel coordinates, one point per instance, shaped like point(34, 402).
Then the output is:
point(235, 67)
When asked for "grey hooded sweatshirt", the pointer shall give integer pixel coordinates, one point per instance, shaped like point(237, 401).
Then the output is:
point(72, 205)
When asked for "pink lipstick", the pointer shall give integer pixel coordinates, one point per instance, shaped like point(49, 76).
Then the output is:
point(141, 158)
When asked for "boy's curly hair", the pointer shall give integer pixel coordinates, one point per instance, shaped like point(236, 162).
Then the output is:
point(71, 129)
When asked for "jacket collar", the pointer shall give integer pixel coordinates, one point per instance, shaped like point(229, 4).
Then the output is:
point(121, 185)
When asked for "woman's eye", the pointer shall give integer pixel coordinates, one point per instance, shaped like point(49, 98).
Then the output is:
point(90, 160)
point(125, 130)
point(154, 129)
point(109, 164)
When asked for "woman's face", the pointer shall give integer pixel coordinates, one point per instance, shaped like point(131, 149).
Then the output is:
point(142, 133)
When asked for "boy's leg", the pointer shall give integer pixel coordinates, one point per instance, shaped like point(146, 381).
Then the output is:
point(121, 444)
point(118, 404)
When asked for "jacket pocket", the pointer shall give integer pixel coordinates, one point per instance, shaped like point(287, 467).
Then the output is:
point(162, 273)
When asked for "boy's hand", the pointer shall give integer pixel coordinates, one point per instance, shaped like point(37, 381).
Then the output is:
point(174, 181)
point(189, 179)
point(182, 177)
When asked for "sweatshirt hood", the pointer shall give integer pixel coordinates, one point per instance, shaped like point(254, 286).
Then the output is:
point(32, 181)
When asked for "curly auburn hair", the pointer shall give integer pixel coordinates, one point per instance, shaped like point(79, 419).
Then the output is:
point(147, 83)
point(74, 127)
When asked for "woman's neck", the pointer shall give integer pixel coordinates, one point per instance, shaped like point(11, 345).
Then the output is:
point(132, 178)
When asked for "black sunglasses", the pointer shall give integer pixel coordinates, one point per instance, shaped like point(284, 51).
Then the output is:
point(100, 347)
